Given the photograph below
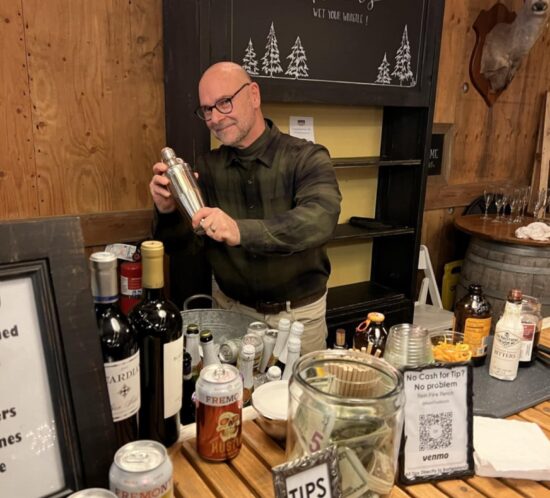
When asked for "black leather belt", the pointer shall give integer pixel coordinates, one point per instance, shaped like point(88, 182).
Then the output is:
point(273, 308)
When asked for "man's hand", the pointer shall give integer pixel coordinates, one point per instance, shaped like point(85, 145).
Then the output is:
point(217, 225)
point(159, 190)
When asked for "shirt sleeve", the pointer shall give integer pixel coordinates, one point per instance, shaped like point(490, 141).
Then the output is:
point(175, 233)
point(312, 220)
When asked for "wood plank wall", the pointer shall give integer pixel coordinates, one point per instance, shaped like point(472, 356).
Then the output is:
point(81, 107)
point(82, 115)
point(489, 146)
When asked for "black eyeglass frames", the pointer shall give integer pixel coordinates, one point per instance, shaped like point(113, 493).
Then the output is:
point(225, 106)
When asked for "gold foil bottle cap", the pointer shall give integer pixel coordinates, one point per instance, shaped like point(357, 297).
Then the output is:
point(152, 255)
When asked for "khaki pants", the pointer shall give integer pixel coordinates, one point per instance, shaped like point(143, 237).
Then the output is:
point(311, 315)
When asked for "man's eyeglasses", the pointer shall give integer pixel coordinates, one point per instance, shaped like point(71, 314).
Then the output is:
point(225, 106)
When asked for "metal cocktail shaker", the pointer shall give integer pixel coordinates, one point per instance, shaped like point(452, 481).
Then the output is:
point(183, 184)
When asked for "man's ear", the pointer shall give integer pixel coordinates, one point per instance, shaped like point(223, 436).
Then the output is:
point(255, 93)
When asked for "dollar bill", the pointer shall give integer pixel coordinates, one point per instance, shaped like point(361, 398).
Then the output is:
point(313, 423)
point(353, 475)
point(380, 472)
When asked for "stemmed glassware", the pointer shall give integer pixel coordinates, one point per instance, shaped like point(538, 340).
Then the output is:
point(540, 204)
point(515, 205)
point(499, 203)
point(526, 194)
point(488, 198)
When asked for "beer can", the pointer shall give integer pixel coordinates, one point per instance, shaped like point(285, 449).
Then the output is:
point(93, 493)
point(258, 344)
point(219, 393)
point(141, 468)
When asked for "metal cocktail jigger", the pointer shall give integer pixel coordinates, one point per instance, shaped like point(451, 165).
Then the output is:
point(183, 184)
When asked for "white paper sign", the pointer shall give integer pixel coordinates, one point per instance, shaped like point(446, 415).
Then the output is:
point(30, 458)
point(311, 482)
point(302, 127)
point(436, 422)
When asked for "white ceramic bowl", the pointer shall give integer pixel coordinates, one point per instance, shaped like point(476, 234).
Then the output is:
point(270, 400)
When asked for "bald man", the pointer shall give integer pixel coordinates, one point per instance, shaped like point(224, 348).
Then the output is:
point(273, 203)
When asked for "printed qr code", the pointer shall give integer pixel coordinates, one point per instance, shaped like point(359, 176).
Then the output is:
point(436, 431)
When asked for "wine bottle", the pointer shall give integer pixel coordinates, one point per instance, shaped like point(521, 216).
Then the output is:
point(159, 326)
point(119, 347)
point(187, 412)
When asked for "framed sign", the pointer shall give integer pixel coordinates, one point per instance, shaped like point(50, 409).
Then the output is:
point(312, 475)
point(56, 430)
point(437, 440)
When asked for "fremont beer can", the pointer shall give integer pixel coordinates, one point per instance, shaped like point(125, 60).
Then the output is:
point(141, 468)
point(219, 394)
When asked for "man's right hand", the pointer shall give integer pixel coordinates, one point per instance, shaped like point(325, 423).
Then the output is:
point(159, 190)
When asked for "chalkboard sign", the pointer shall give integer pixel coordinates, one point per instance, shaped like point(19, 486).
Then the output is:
point(364, 47)
point(374, 42)
point(436, 154)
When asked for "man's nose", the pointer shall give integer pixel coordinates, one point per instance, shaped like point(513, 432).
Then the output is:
point(216, 116)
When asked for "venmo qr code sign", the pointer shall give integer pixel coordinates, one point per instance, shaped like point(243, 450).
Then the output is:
point(437, 431)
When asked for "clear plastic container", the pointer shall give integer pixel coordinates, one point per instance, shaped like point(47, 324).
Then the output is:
point(352, 400)
point(408, 345)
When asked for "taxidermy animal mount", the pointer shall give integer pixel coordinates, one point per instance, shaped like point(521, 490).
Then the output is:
point(503, 41)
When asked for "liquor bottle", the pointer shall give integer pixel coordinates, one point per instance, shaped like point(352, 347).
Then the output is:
point(294, 346)
point(531, 318)
point(119, 346)
point(187, 412)
point(472, 316)
point(159, 326)
point(283, 328)
point(270, 339)
point(507, 341)
point(373, 337)
point(209, 355)
point(246, 367)
point(273, 373)
point(340, 342)
point(296, 330)
point(192, 347)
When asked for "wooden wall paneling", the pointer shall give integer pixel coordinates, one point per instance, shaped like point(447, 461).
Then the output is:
point(449, 79)
point(94, 71)
point(18, 192)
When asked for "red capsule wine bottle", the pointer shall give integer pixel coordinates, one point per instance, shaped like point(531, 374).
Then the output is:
point(119, 347)
point(159, 326)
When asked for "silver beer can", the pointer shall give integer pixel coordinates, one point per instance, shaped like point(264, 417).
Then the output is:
point(93, 493)
point(142, 468)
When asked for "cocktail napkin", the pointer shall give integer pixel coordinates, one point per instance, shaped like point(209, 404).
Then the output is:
point(510, 448)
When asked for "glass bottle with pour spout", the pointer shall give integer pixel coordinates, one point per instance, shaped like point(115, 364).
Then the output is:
point(183, 184)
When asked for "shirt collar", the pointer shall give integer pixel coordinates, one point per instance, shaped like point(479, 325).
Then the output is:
point(263, 149)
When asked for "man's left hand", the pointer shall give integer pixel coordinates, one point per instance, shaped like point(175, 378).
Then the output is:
point(217, 225)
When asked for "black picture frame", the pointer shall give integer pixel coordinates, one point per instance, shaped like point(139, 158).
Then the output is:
point(469, 471)
point(50, 252)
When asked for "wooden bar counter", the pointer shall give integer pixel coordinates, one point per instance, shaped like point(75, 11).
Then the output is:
point(249, 474)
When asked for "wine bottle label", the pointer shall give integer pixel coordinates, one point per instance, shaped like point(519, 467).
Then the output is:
point(476, 332)
point(123, 386)
point(529, 330)
point(173, 376)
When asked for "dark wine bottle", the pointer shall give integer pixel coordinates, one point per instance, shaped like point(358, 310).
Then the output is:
point(158, 323)
point(119, 347)
point(187, 412)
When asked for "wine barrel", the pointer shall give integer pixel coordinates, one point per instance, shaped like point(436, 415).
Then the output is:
point(499, 267)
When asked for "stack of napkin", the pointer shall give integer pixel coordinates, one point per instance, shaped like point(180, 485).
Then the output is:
point(510, 448)
point(536, 231)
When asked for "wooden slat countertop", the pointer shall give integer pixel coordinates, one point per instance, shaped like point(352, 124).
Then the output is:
point(474, 225)
point(249, 474)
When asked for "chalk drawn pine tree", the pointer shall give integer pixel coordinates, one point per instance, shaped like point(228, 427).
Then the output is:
point(250, 64)
point(402, 70)
point(297, 66)
point(384, 72)
point(271, 62)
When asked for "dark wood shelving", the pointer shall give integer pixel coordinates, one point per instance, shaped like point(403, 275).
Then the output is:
point(344, 297)
point(371, 162)
point(345, 231)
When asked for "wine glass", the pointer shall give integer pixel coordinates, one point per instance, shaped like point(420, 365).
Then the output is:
point(540, 205)
point(524, 202)
point(505, 200)
point(488, 198)
point(515, 204)
point(499, 203)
